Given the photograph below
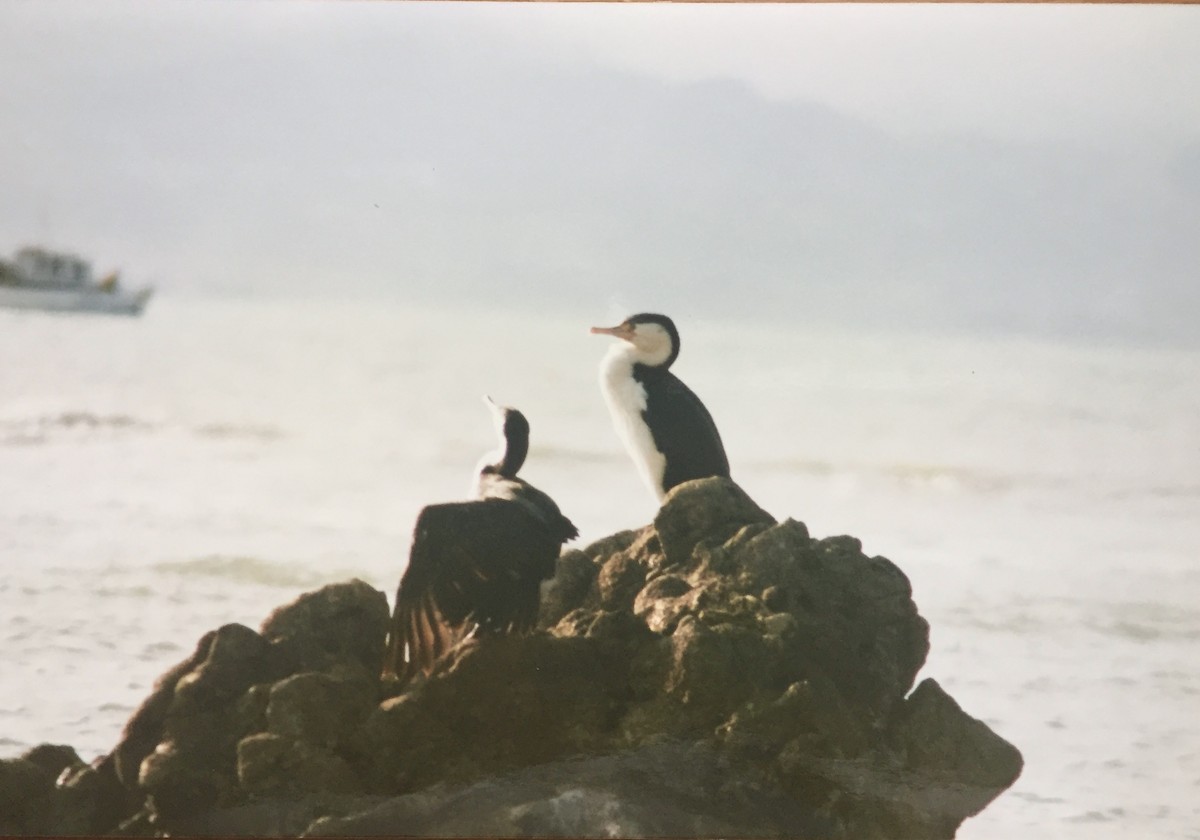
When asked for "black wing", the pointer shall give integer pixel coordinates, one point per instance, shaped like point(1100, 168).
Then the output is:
point(538, 503)
point(683, 429)
point(472, 564)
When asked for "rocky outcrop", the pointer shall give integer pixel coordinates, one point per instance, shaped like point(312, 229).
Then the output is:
point(715, 673)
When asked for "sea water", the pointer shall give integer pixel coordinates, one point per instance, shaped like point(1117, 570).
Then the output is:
point(213, 459)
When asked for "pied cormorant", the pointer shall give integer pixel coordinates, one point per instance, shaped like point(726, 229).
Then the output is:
point(476, 567)
point(667, 430)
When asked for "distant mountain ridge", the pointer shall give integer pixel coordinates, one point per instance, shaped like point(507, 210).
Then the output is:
point(421, 171)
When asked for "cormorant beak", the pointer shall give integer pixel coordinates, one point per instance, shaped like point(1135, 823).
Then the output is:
point(497, 411)
point(624, 331)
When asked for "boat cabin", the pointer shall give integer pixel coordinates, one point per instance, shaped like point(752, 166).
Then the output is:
point(39, 267)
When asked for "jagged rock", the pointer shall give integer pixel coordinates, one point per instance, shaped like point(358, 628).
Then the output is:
point(573, 576)
point(619, 581)
point(179, 753)
point(854, 616)
point(714, 511)
point(322, 709)
point(933, 736)
point(665, 600)
point(144, 729)
point(948, 766)
point(26, 797)
point(192, 767)
point(492, 707)
point(336, 623)
point(714, 673)
point(32, 803)
point(274, 765)
point(91, 799)
point(310, 718)
point(54, 758)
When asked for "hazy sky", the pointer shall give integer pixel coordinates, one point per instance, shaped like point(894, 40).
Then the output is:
point(1032, 167)
point(1028, 72)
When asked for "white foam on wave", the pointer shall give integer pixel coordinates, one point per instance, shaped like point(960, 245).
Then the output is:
point(251, 570)
point(73, 423)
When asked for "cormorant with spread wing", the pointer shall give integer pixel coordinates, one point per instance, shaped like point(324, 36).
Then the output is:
point(477, 566)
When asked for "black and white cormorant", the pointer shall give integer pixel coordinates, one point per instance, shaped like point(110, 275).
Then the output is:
point(669, 433)
point(476, 567)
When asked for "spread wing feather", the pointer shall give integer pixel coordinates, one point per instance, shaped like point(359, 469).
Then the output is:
point(473, 565)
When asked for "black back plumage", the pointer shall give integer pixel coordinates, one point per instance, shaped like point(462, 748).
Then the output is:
point(682, 428)
point(495, 486)
point(476, 566)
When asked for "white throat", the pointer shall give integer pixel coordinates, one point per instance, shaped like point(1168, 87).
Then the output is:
point(626, 400)
point(481, 478)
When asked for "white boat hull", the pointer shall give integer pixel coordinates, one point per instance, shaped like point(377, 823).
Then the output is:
point(116, 302)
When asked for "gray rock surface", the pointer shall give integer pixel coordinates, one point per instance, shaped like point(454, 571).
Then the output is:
point(715, 673)
point(665, 790)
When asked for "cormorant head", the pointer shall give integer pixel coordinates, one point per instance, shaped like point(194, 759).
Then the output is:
point(653, 338)
point(513, 429)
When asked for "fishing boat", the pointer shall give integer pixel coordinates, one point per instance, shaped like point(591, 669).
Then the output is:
point(38, 278)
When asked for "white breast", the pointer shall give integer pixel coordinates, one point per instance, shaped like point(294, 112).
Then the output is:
point(626, 400)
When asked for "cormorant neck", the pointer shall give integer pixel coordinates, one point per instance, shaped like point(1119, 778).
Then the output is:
point(510, 457)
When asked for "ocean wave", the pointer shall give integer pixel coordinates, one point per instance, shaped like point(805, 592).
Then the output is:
point(945, 477)
point(1019, 622)
point(122, 708)
point(550, 452)
point(1109, 815)
point(949, 478)
point(77, 420)
point(157, 651)
point(802, 466)
point(1132, 621)
point(42, 428)
point(1147, 622)
point(1037, 799)
point(251, 570)
point(21, 439)
point(130, 591)
point(34, 430)
point(1130, 630)
point(239, 430)
point(1145, 632)
point(1157, 491)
